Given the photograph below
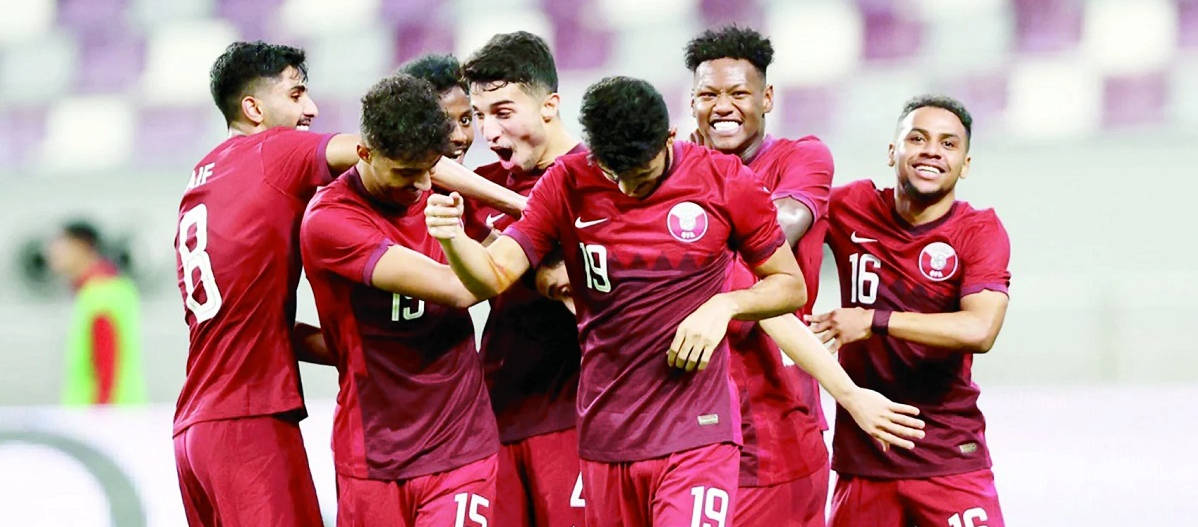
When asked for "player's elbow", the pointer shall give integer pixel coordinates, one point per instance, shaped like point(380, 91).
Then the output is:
point(980, 340)
point(796, 292)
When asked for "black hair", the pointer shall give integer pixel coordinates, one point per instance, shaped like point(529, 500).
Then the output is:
point(520, 57)
point(943, 102)
point(82, 231)
point(442, 71)
point(625, 121)
point(402, 119)
point(733, 42)
point(242, 64)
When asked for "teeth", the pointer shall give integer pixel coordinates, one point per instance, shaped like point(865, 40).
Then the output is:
point(302, 127)
point(724, 126)
point(927, 169)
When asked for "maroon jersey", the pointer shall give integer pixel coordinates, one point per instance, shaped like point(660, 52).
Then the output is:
point(238, 265)
point(530, 343)
point(885, 263)
point(412, 398)
point(779, 402)
point(637, 268)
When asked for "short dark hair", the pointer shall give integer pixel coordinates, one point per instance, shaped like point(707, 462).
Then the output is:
point(244, 63)
point(442, 71)
point(82, 231)
point(520, 57)
point(625, 121)
point(943, 102)
point(402, 119)
point(733, 42)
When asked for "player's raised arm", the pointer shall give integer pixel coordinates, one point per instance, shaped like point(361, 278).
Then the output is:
point(453, 176)
point(888, 422)
point(485, 271)
point(341, 152)
point(407, 272)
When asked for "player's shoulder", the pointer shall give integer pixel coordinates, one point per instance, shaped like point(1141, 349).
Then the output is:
point(970, 220)
point(335, 194)
point(808, 147)
point(853, 192)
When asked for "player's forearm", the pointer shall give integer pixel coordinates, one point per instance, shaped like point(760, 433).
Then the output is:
point(963, 331)
point(771, 296)
point(309, 345)
point(797, 341)
point(453, 176)
point(474, 266)
point(342, 152)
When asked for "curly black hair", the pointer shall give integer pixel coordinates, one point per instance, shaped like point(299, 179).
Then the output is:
point(520, 57)
point(244, 63)
point(943, 102)
point(402, 119)
point(442, 71)
point(733, 42)
point(625, 122)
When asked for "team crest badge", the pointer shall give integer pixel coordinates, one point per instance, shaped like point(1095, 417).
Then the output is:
point(938, 261)
point(687, 222)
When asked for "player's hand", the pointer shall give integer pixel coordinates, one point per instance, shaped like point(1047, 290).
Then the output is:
point(699, 334)
point(842, 326)
point(890, 423)
point(553, 282)
point(443, 215)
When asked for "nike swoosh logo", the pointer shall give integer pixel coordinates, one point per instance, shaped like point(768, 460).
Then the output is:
point(858, 239)
point(490, 221)
point(584, 224)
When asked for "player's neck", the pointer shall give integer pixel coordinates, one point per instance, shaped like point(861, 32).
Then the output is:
point(916, 213)
point(558, 143)
point(243, 128)
point(749, 152)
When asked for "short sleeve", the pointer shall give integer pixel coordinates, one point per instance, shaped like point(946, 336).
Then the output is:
point(985, 256)
point(755, 231)
point(537, 230)
point(806, 176)
point(342, 241)
point(294, 161)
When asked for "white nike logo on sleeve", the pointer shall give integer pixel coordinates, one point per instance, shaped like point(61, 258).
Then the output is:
point(584, 224)
point(490, 221)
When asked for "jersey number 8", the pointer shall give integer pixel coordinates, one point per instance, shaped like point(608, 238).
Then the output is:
point(196, 259)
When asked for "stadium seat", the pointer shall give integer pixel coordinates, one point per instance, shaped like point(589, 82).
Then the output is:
point(52, 55)
point(1056, 98)
point(178, 57)
point(87, 134)
point(1107, 44)
point(821, 40)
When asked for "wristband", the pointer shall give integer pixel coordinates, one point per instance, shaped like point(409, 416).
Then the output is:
point(881, 323)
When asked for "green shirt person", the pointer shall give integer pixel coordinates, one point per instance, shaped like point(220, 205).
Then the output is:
point(103, 360)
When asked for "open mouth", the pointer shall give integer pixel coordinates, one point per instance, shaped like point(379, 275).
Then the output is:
point(505, 154)
point(928, 171)
point(724, 127)
point(303, 124)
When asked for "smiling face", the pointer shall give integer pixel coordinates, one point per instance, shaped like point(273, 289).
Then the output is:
point(397, 182)
point(729, 100)
point(513, 121)
point(283, 101)
point(930, 153)
point(456, 104)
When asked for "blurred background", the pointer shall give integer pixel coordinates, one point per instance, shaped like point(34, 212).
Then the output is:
point(1086, 120)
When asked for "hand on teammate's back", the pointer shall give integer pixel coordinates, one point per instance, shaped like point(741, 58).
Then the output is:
point(699, 334)
point(842, 326)
point(888, 422)
point(443, 215)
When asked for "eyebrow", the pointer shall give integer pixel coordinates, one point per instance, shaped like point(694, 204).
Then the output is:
point(930, 134)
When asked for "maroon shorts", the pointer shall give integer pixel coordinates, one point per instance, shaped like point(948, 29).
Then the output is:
point(539, 482)
point(248, 471)
point(797, 503)
point(461, 497)
point(959, 500)
point(691, 487)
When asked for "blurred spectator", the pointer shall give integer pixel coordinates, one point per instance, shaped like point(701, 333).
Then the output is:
point(103, 362)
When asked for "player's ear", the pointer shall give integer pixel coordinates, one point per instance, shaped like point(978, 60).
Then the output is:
point(549, 107)
point(673, 134)
point(251, 110)
point(363, 152)
point(890, 155)
point(769, 98)
point(965, 167)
